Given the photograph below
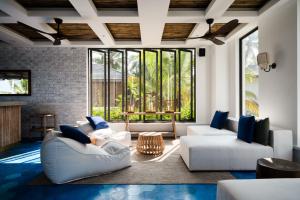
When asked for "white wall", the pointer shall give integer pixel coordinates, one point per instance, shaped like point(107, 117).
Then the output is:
point(203, 87)
point(233, 77)
point(219, 78)
point(278, 88)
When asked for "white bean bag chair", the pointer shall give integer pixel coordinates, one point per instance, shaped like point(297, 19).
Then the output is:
point(66, 160)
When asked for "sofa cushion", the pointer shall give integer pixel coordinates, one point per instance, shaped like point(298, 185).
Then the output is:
point(207, 130)
point(246, 128)
point(219, 120)
point(97, 122)
point(75, 134)
point(261, 131)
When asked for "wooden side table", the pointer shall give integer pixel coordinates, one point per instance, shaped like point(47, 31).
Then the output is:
point(150, 143)
point(277, 168)
point(46, 121)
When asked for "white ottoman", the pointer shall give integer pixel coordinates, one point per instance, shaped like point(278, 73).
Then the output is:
point(259, 189)
point(223, 152)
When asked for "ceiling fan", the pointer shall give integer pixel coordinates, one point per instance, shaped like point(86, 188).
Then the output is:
point(224, 30)
point(58, 36)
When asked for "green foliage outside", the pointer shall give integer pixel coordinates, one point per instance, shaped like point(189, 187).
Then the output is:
point(250, 48)
point(17, 86)
point(152, 85)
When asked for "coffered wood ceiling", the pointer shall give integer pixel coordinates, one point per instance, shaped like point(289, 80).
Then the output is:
point(177, 31)
point(76, 32)
point(202, 4)
point(115, 3)
point(125, 31)
point(29, 4)
point(134, 22)
point(249, 4)
point(27, 32)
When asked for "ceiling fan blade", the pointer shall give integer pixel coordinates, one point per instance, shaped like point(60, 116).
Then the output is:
point(192, 38)
point(37, 30)
point(227, 28)
point(216, 41)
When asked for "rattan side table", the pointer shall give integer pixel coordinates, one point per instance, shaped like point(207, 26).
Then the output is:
point(150, 143)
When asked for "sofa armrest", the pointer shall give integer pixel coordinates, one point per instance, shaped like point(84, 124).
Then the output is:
point(282, 143)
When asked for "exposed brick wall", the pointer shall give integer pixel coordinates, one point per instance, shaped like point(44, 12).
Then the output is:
point(59, 81)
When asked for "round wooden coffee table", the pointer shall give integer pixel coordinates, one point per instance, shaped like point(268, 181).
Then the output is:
point(277, 168)
point(150, 143)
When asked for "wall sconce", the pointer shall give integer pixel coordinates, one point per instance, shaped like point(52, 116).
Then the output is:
point(263, 62)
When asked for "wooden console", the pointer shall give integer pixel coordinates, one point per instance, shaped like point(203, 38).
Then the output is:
point(10, 123)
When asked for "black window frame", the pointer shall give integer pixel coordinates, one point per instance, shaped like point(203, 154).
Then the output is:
point(141, 52)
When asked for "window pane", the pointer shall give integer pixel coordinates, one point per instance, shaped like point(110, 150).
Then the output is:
point(151, 75)
point(185, 84)
point(115, 85)
point(168, 82)
point(133, 83)
point(251, 74)
point(98, 84)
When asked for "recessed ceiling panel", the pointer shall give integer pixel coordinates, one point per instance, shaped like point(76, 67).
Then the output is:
point(115, 3)
point(26, 32)
point(76, 31)
point(202, 4)
point(32, 4)
point(125, 31)
point(249, 4)
point(177, 31)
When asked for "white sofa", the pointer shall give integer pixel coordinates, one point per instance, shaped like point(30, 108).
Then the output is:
point(65, 160)
point(104, 135)
point(205, 148)
point(259, 189)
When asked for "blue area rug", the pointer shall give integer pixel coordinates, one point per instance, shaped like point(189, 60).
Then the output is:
point(21, 164)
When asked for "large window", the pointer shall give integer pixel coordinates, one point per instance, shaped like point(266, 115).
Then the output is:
point(142, 80)
point(249, 74)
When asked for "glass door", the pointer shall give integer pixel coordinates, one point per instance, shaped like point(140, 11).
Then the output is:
point(168, 82)
point(133, 89)
point(186, 85)
point(150, 83)
point(115, 85)
point(98, 84)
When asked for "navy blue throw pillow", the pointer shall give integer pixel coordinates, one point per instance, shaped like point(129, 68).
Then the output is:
point(97, 122)
point(75, 134)
point(219, 120)
point(246, 128)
